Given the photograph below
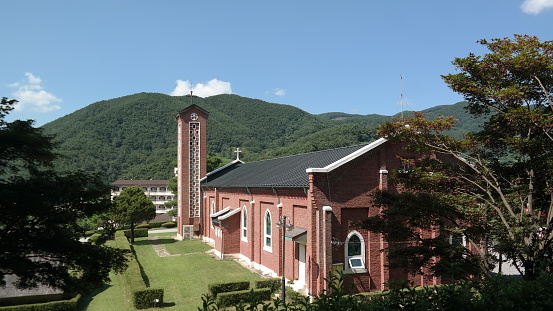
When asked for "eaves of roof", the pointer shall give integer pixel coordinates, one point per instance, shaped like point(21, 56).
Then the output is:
point(347, 158)
point(192, 106)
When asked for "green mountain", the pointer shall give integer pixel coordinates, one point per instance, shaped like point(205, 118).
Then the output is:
point(135, 136)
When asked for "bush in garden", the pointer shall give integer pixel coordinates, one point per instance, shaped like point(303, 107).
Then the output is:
point(169, 224)
point(217, 288)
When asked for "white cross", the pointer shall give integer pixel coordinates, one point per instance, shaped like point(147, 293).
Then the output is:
point(237, 153)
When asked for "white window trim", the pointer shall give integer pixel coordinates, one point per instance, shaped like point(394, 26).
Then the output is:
point(347, 265)
point(265, 235)
point(244, 226)
point(463, 243)
point(212, 212)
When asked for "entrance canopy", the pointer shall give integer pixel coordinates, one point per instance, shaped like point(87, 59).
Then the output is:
point(297, 234)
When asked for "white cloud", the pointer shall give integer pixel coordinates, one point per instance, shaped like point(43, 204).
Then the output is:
point(535, 6)
point(279, 92)
point(213, 87)
point(31, 95)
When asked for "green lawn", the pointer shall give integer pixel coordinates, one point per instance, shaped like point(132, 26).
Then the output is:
point(185, 278)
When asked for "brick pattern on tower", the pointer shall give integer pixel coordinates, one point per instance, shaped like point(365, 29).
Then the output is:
point(191, 165)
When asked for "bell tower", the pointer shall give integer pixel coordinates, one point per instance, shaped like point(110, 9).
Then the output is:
point(191, 159)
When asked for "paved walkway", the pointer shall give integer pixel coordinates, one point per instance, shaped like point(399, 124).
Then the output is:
point(162, 230)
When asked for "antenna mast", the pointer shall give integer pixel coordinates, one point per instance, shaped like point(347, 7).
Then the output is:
point(401, 98)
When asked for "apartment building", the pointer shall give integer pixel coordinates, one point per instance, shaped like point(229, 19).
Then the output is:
point(156, 190)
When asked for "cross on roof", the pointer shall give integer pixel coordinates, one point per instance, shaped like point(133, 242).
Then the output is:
point(237, 153)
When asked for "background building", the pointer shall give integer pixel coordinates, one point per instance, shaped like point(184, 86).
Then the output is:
point(156, 190)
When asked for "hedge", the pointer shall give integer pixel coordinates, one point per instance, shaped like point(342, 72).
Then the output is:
point(143, 297)
point(234, 298)
point(61, 305)
point(169, 224)
point(217, 288)
point(156, 224)
point(143, 226)
point(274, 284)
point(138, 233)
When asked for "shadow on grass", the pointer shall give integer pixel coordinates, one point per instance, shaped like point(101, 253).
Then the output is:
point(87, 298)
point(168, 304)
point(154, 242)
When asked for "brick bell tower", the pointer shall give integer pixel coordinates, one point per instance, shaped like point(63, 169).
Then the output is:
point(191, 159)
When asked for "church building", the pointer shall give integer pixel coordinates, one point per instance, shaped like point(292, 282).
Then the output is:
point(290, 215)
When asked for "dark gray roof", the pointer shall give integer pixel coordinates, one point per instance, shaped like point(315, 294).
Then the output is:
point(285, 172)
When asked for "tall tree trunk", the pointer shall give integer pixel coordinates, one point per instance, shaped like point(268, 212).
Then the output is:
point(132, 232)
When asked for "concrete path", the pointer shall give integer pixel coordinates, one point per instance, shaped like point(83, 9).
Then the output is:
point(162, 230)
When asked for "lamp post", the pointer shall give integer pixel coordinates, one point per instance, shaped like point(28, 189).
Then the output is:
point(284, 223)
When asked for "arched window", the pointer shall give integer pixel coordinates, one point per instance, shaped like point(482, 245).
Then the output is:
point(268, 238)
point(153, 189)
point(355, 253)
point(244, 224)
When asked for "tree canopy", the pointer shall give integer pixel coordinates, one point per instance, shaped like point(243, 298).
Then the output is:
point(40, 208)
point(494, 186)
point(131, 207)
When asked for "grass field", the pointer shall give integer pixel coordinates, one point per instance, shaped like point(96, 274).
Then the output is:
point(184, 276)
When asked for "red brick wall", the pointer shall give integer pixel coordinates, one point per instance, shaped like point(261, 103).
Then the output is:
point(346, 190)
point(231, 234)
point(183, 159)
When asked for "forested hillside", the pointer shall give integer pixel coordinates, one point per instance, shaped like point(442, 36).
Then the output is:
point(134, 137)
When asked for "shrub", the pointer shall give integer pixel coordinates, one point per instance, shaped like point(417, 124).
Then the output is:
point(217, 288)
point(138, 233)
point(169, 224)
point(234, 298)
point(156, 224)
point(148, 298)
point(143, 226)
point(98, 238)
point(89, 233)
point(61, 305)
point(94, 239)
point(274, 284)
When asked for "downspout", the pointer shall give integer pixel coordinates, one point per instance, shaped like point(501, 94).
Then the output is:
point(251, 228)
point(326, 210)
point(281, 242)
point(276, 194)
point(250, 193)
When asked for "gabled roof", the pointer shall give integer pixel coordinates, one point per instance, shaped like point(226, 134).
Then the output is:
point(285, 172)
point(190, 107)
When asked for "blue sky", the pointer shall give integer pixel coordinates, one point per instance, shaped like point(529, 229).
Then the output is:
point(320, 56)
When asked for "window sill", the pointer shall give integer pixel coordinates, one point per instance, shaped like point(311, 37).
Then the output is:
point(268, 249)
point(355, 271)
